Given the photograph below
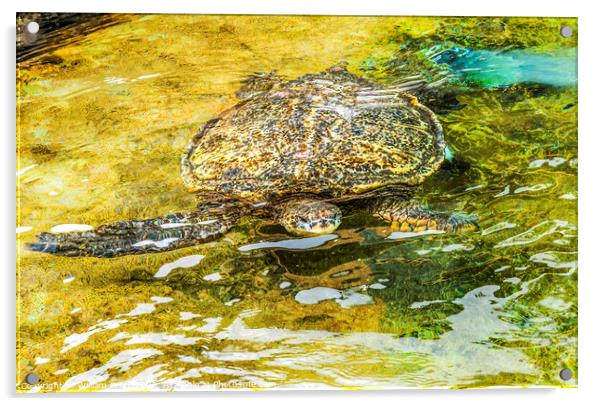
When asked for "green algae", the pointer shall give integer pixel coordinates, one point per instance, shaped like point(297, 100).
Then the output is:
point(445, 310)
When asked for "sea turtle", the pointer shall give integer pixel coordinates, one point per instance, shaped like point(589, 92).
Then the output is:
point(302, 152)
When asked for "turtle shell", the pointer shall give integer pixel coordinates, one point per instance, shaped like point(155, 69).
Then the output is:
point(332, 134)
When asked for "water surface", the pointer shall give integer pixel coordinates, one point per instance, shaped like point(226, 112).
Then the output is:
point(103, 121)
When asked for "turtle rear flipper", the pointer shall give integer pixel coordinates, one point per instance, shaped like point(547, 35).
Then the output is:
point(139, 236)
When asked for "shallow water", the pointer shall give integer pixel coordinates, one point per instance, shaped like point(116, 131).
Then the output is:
point(102, 124)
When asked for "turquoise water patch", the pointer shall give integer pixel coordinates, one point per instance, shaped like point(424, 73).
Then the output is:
point(488, 68)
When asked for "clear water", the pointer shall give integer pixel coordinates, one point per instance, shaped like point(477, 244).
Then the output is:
point(102, 124)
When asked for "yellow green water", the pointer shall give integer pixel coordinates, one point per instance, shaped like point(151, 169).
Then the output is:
point(102, 123)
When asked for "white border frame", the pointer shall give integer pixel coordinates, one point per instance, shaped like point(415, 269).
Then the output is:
point(590, 147)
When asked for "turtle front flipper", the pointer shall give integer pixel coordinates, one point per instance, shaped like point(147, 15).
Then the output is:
point(410, 216)
point(165, 233)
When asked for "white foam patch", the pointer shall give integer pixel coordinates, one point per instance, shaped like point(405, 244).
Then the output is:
point(345, 299)
point(155, 338)
point(188, 359)
point(556, 259)
point(211, 325)
point(498, 227)
point(184, 262)
point(239, 331)
point(69, 279)
point(534, 188)
point(293, 244)
point(67, 228)
point(419, 305)
point(503, 192)
point(539, 231)
point(161, 299)
point(553, 162)
point(231, 302)
point(27, 168)
point(40, 360)
point(160, 244)
point(555, 303)
point(76, 339)
point(350, 299)
point(396, 235)
point(238, 356)
point(120, 362)
point(23, 229)
point(188, 315)
point(316, 295)
point(212, 277)
point(174, 225)
point(457, 247)
point(568, 196)
point(187, 328)
point(146, 308)
point(142, 308)
point(115, 80)
point(152, 75)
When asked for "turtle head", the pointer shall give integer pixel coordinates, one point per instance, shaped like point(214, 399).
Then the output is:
point(310, 217)
point(258, 83)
